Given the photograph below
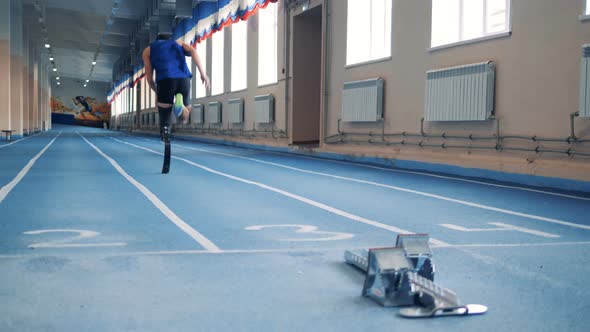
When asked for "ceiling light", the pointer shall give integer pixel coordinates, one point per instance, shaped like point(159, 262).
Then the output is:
point(93, 63)
point(87, 81)
point(54, 69)
point(50, 58)
point(57, 78)
point(47, 46)
point(58, 83)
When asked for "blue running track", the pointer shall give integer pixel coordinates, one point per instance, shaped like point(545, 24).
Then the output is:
point(94, 238)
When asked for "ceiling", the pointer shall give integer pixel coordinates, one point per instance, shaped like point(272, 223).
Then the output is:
point(110, 32)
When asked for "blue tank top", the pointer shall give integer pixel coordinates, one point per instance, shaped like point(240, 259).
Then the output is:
point(168, 59)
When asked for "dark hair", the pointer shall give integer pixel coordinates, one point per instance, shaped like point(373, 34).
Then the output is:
point(164, 36)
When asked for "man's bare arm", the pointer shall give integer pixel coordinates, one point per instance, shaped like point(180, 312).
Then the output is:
point(149, 71)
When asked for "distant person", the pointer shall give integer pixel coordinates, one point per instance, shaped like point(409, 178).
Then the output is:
point(81, 100)
point(173, 78)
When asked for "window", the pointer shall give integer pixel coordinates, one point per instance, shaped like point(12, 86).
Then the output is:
point(189, 64)
point(132, 99)
point(587, 12)
point(143, 91)
point(368, 30)
point(455, 21)
point(152, 98)
point(239, 56)
point(202, 52)
point(267, 45)
point(217, 63)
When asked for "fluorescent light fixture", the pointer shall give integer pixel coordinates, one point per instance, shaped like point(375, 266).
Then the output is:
point(47, 46)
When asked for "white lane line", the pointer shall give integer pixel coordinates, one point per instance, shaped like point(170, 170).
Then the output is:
point(193, 233)
point(14, 142)
point(434, 176)
point(8, 188)
point(271, 251)
point(310, 250)
point(290, 195)
point(448, 199)
point(407, 172)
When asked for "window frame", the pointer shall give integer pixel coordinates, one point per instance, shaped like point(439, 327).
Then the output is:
point(497, 35)
point(370, 61)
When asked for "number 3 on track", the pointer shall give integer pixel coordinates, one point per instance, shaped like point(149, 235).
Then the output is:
point(306, 229)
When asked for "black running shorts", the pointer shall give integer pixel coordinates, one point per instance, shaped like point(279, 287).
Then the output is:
point(169, 87)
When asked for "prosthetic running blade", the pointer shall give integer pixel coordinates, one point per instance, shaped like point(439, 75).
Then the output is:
point(167, 152)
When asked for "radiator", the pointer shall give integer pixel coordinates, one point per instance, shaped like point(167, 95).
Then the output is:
point(463, 93)
point(585, 82)
point(214, 112)
point(197, 114)
point(265, 108)
point(236, 110)
point(362, 101)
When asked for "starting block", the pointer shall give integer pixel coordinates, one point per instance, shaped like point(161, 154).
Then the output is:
point(387, 277)
point(404, 276)
point(418, 250)
point(415, 247)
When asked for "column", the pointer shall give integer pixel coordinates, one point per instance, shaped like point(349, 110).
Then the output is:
point(5, 122)
point(16, 67)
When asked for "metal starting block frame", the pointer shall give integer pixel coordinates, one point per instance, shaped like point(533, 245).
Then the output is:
point(386, 280)
point(404, 276)
point(415, 247)
point(436, 301)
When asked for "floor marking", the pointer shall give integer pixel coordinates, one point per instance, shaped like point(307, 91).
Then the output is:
point(301, 250)
point(525, 230)
point(305, 229)
point(501, 227)
point(448, 199)
point(14, 142)
point(434, 176)
point(288, 194)
point(193, 233)
point(4, 191)
point(404, 171)
point(66, 243)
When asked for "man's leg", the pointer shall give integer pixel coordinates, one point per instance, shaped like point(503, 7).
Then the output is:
point(184, 88)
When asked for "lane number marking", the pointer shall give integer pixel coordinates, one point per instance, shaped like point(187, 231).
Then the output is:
point(305, 229)
point(70, 242)
point(500, 227)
